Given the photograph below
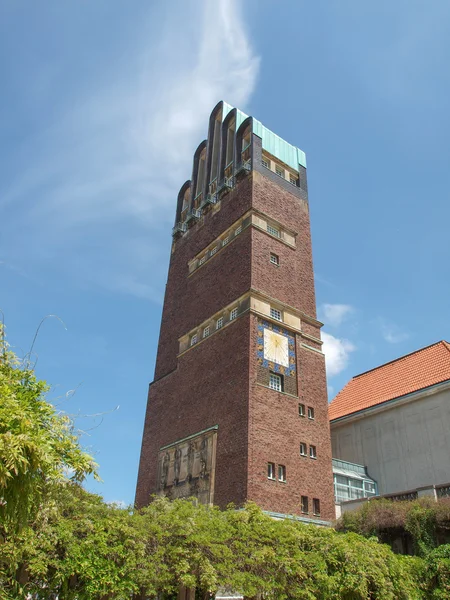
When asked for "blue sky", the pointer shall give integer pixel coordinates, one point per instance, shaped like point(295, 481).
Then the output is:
point(102, 106)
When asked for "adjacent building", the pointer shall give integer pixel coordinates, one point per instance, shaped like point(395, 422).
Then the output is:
point(238, 407)
point(395, 420)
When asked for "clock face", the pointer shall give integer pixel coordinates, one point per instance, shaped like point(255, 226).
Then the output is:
point(276, 348)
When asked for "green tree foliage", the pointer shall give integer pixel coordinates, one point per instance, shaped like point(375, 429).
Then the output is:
point(81, 548)
point(286, 559)
point(38, 447)
point(436, 574)
point(59, 541)
point(426, 522)
point(78, 547)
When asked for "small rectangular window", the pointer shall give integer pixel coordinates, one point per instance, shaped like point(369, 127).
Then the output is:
point(274, 259)
point(304, 502)
point(206, 332)
point(275, 314)
point(194, 339)
point(292, 180)
point(303, 449)
point(316, 506)
point(301, 410)
point(233, 314)
point(271, 470)
point(310, 412)
point(369, 487)
point(219, 323)
point(202, 260)
point(279, 171)
point(265, 163)
point(213, 251)
point(281, 473)
point(273, 231)
point(238, 230)
point(276, 382)
point(225, 241)
point(312, 452)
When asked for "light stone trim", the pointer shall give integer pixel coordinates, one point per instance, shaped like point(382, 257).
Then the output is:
point(184, 341)
point(243, 222)
point(261, 221)
point(189, 437)
point(311, 349)
point(278, 391)
point(252, 218)
point(276, 162)
point(286, 308)
point(257, 304)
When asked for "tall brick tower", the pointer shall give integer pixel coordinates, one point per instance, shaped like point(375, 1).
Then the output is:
point(238, 407)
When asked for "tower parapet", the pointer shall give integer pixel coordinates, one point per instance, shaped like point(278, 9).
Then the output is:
point(236, 145)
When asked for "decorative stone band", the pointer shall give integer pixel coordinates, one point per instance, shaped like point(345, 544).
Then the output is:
point(190, 437)
point(259, 304)
point(312, 520)
point(251, 218)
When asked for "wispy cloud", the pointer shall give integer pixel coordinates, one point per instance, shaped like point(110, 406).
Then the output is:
point(95, 195)
point(335, 314)
point(391, 332)
point(337, 353)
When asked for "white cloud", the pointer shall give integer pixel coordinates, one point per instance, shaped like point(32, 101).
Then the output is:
point(334, 314)
point(392, 333)
point(95, 195)
point(337, 353)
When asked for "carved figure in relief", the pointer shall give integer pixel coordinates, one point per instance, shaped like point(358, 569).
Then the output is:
point(193, 488)
point(165, 470)
point(203, 456)
point(177, 464)
point(190, 460)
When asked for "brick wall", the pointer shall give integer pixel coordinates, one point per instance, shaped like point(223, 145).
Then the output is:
point(190, 300)
point(293, 281)
point(209, 387)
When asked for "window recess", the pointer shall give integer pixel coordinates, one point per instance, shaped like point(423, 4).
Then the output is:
point(276, 382)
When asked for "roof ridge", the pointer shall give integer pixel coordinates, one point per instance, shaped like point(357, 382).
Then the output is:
point(446, 345)
point(402, 357)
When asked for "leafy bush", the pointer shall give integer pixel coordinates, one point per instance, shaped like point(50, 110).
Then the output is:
point(83, 548)
point(436, 576)
point(424, 520)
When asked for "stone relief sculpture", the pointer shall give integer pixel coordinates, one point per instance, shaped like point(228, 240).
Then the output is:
point(203, 457)
point(190, 459)
point(177, 464)
point(186, 468)
point(165, 470)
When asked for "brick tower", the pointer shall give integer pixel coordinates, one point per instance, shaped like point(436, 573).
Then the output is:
point(238, 407)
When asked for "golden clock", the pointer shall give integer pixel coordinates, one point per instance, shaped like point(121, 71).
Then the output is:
point(276, 348)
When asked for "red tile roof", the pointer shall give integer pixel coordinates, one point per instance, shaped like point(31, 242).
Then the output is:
point(399, 377)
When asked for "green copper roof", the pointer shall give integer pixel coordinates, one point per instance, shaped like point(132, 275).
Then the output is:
point(271, 142)
point(240, 116)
